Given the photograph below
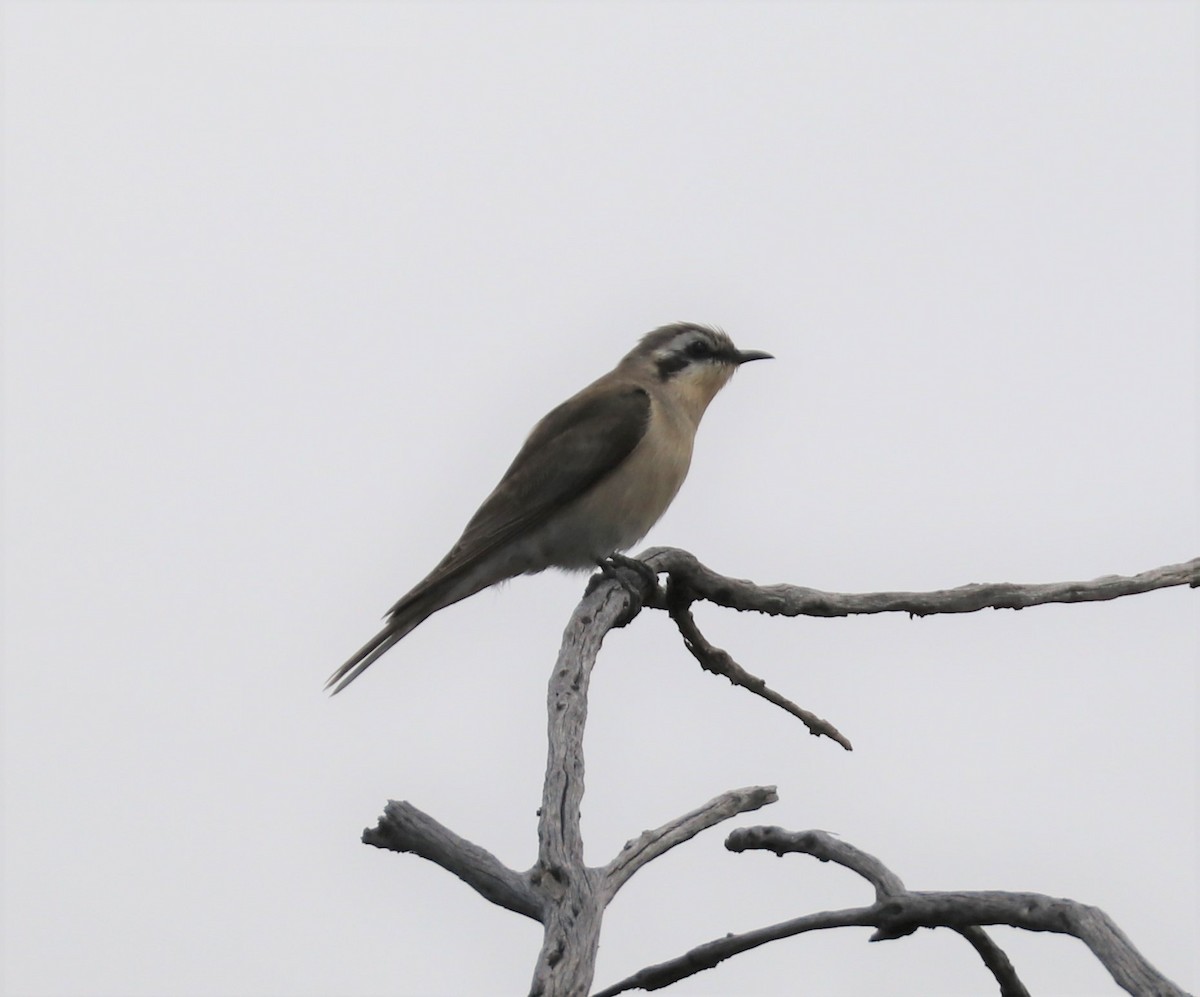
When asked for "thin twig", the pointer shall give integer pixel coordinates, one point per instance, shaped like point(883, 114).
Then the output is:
point(713, 953)
point(649, 845)
point(996, 960)
point(719, 662)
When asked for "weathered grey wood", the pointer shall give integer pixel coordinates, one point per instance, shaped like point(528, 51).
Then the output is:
point(649, 845)
point(563, 893)
point(574, 906)
point(569, 898)
point(820, 845)
point(689, 581)
point(794, 600)
point(404, 828)
point(898, 912)
point(574, 894)
point(829, 848)
point(900, 916)
point(720, 662)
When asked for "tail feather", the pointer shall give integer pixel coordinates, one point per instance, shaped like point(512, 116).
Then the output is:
point(372, 650)
point(361, 659)
point(436, 592)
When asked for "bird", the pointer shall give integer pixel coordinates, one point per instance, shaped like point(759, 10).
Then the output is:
point(594, 475)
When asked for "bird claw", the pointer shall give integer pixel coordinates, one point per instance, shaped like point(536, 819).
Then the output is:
point(614, 561)
point(618, 567)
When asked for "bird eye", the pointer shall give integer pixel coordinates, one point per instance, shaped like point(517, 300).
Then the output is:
point(697, 348)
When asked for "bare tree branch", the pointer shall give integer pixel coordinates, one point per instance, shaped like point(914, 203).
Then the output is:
point(996, 960)
point(714, 659)
point(649, 845)
point(689, 581)
point(820, 845)
point(574, 903)
point(404, 828)
point(828, 848)
point(794, 600)
point(900, 916)
point(895, 915)
point(569, 898)
point(713, 953)
point(575, 895)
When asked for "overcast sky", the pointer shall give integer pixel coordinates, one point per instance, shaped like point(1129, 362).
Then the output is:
point(285, 285)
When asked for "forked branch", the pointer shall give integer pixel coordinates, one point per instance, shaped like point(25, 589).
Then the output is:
point(569, 897)
point(690, 581)
point(898, 912)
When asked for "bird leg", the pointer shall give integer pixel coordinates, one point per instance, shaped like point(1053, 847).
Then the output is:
point(617, 567)
point(615, 560)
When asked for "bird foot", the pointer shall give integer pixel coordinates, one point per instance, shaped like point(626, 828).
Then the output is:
point(614, 561)
point(618, 567)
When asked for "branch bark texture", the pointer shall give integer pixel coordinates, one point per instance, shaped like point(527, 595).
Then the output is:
point(795, 600)
point(898, 912)
point(569, 897)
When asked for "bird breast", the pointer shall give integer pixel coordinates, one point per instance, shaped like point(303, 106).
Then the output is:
point(618, 511)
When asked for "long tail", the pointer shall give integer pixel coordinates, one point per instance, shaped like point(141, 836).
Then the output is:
point(399, 625)
point(443, 587)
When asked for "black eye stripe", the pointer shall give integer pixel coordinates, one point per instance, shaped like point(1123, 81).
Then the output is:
point(683, 355)
point(672, 363)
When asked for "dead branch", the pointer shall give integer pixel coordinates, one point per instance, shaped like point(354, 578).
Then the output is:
point(404, 828)
point(794, 600)
point(569, 898)
point(719, 662)
point(565, 895)
point(898, 912)
point(690, 581)
point(828, 848)
point(575, 905)
point(651, 844)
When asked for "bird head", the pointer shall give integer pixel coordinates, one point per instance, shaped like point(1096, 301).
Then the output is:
point(693, 362)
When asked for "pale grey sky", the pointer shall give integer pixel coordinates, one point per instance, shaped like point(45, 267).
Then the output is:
point(286, 284)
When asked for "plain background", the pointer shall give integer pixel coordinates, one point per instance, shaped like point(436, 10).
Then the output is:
point(285, 287)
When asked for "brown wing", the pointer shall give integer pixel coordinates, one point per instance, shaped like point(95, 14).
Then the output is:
point(569, 451)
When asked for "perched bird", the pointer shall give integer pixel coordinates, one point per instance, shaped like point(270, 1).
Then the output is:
point(592, 478)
